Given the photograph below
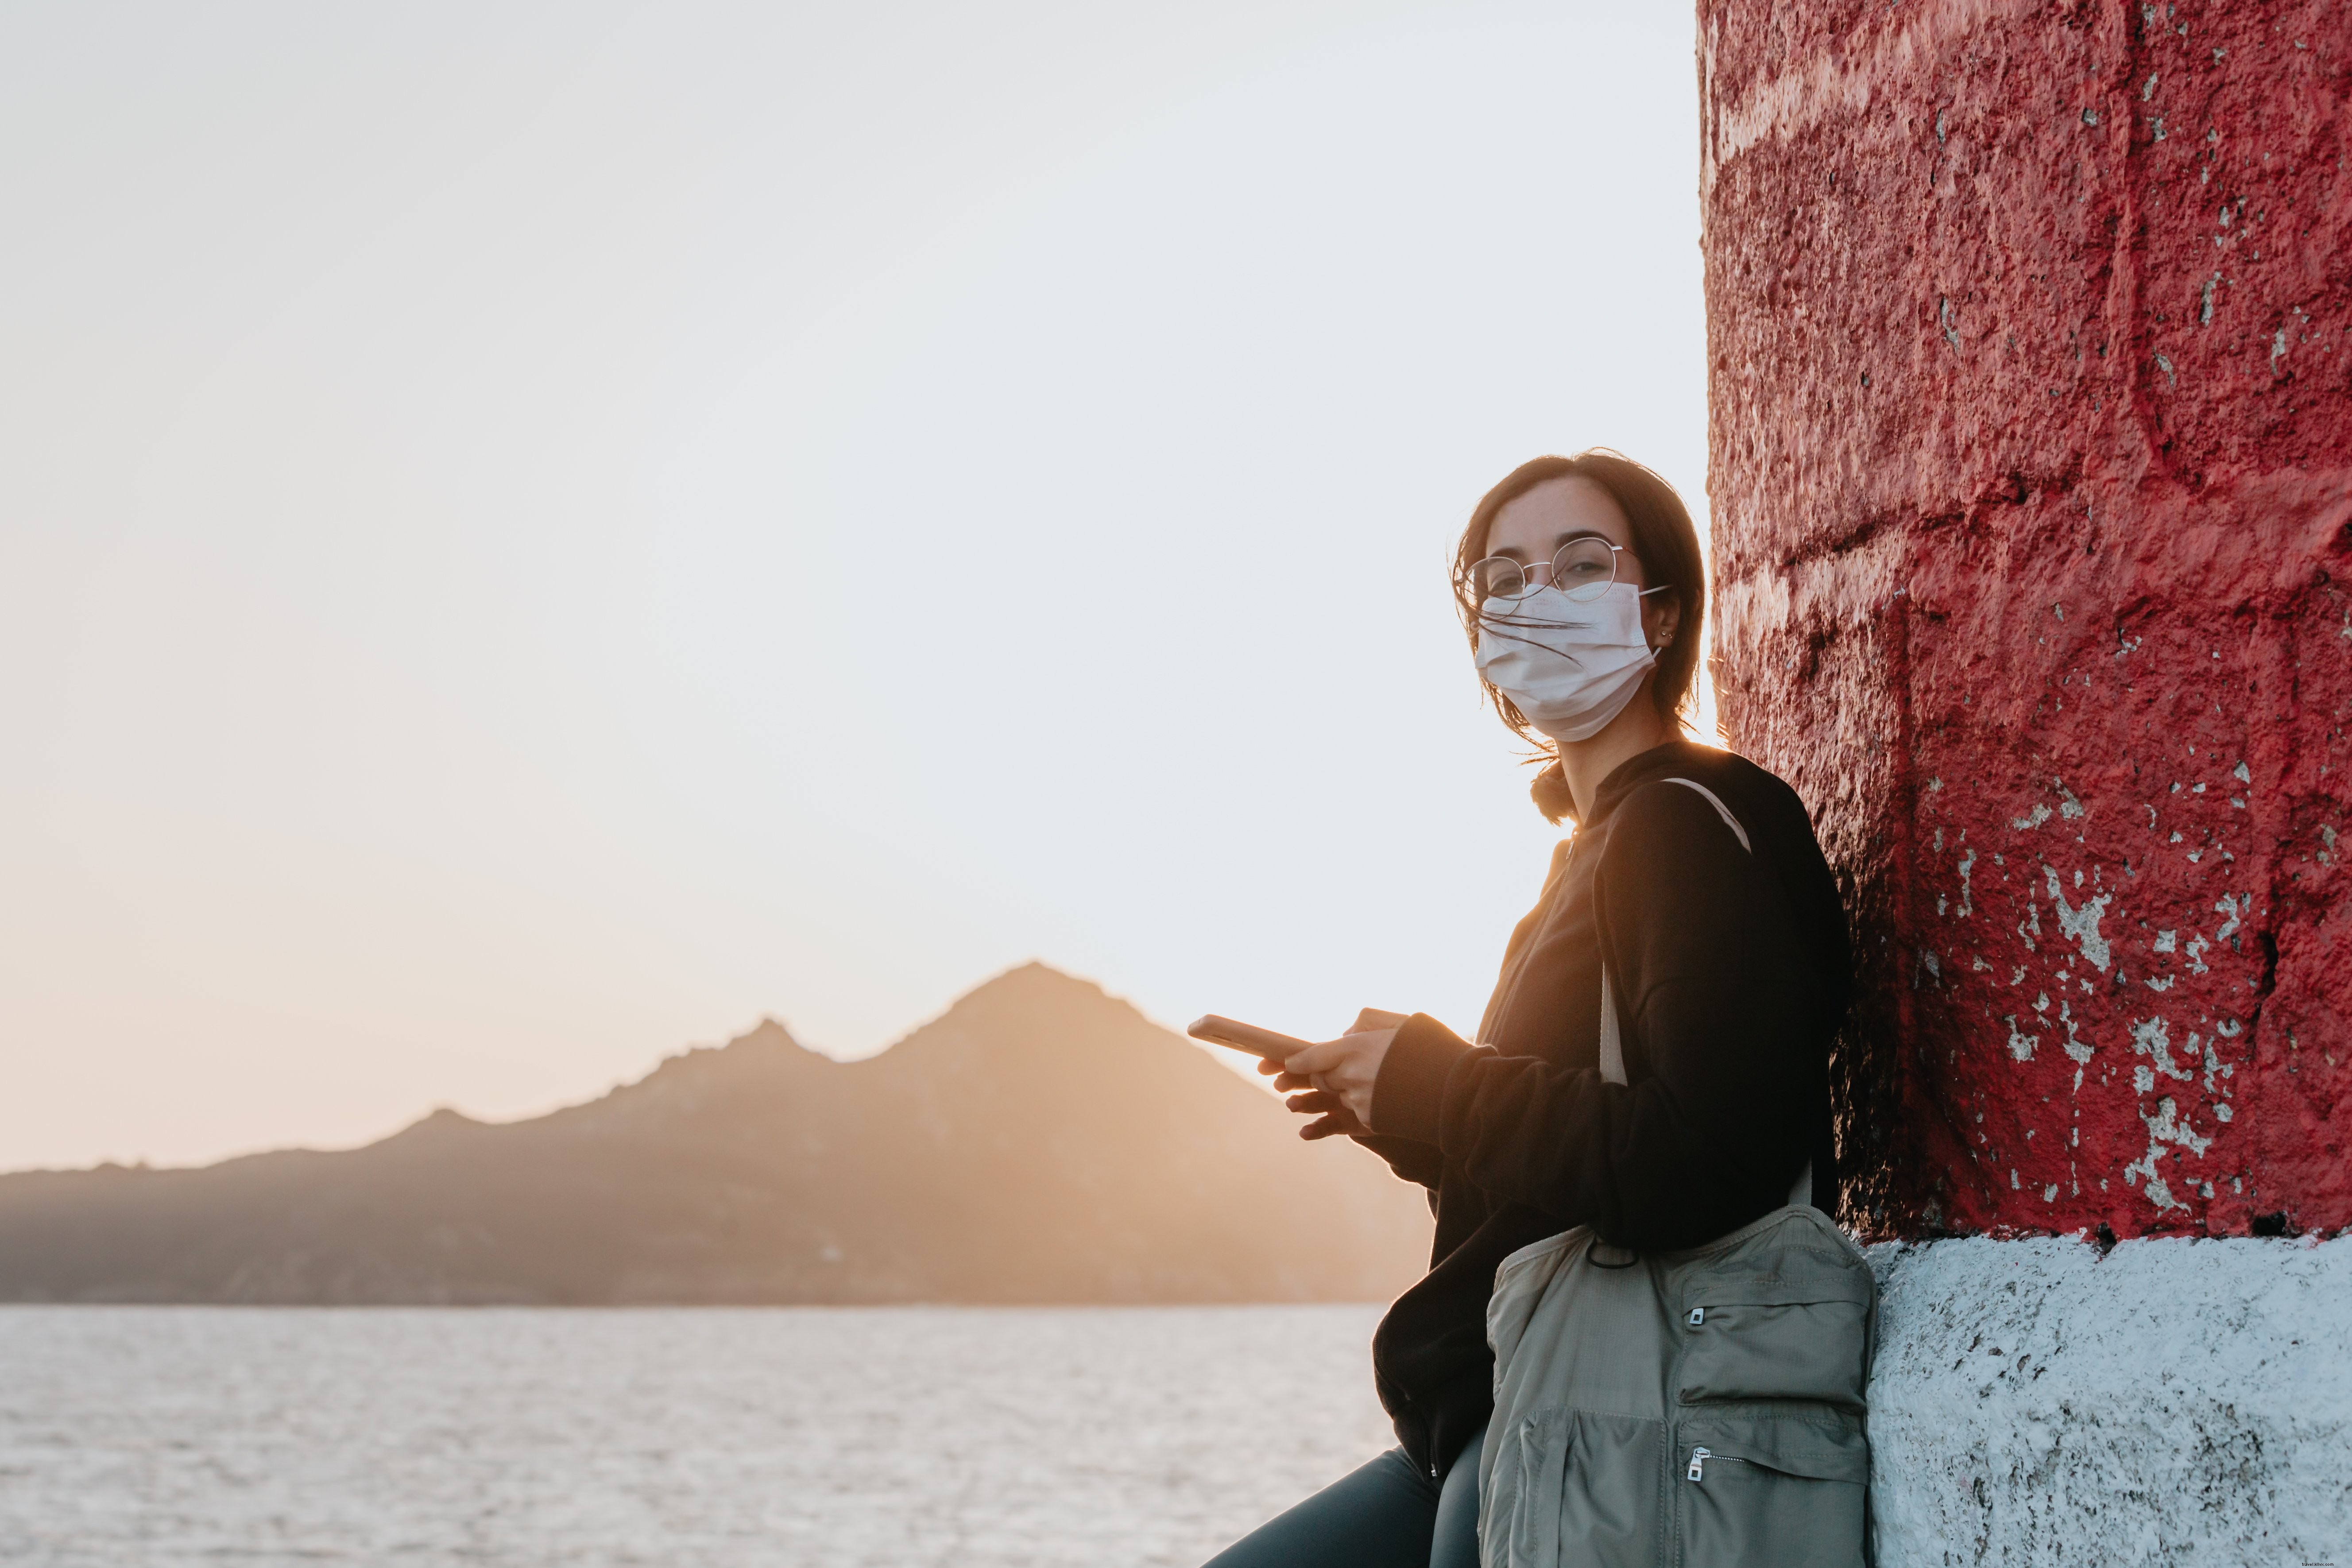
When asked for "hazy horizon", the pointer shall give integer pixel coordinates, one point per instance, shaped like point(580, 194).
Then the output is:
point(532, 537)
point(1241, 1066)
point(628, 1078)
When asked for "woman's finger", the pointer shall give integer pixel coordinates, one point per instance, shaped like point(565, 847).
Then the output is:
point(1317, 1058)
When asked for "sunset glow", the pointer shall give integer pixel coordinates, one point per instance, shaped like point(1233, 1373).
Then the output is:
point(525, 547)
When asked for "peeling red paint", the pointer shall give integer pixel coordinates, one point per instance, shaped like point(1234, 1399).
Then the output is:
point(2031, 472)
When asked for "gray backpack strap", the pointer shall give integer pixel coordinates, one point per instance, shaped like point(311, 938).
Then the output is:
point(1612, 1041)
point(1721, 810)
point(1613, 1044)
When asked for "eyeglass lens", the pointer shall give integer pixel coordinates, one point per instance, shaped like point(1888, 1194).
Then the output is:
point(1581, 570)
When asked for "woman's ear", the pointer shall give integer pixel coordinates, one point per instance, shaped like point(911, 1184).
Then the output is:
point(1662, 618)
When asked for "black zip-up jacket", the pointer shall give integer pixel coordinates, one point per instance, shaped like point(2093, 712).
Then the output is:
point(1730, 971)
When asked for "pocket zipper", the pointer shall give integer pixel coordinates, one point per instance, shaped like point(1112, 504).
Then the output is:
point(1700, 1456)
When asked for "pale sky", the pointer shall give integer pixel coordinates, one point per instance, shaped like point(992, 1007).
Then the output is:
point(533, 536)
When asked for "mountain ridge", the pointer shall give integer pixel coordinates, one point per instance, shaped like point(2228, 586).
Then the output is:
point(1039, 1140)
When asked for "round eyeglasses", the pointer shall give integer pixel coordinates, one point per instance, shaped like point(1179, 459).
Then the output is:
point(1583, 569)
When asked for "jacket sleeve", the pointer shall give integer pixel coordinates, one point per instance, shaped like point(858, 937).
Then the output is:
point(1411, 1161)
point(1723, 1041)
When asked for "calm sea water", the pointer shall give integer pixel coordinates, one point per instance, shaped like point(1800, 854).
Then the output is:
point(135, 1436)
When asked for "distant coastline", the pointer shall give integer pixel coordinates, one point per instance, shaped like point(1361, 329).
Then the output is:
point(1040, 1143)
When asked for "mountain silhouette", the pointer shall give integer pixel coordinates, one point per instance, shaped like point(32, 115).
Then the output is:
point(1041, 1142)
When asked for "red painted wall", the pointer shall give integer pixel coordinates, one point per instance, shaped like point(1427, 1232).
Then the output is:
point(2031, 337)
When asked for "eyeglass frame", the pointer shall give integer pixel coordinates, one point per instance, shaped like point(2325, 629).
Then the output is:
point(1527, 570)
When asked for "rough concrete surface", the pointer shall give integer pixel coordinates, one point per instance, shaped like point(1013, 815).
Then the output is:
point(2175, 1401)
point(2031, 479)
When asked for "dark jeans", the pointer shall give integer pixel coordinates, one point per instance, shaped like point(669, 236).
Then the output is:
point(1385, 1515)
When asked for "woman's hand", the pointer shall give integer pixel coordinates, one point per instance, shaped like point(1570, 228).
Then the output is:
point(1338, 1076)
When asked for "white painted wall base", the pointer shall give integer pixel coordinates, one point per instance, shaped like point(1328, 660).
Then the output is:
point(2171, 1402)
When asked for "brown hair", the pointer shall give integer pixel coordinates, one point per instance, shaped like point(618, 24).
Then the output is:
point(1663, 540)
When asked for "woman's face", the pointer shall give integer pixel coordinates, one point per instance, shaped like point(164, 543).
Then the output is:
point(1532, 526)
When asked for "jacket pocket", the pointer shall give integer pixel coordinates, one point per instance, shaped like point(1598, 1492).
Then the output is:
point(1757, 1489)
point(1769, 1340)
point(1582, 1489)
point(1525, 1500)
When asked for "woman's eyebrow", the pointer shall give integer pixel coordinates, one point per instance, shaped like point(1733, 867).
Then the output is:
point(1513, 553)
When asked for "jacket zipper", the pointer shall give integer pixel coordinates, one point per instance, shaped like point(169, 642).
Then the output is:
point(1428, 1430)
point(1700, 1456)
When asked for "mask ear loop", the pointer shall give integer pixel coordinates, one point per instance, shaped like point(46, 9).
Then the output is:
point(1645, 594)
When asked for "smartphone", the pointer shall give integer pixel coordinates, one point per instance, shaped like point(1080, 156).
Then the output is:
point(1247, 1038)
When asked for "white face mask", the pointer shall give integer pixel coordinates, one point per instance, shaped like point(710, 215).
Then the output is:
point(1571, 667)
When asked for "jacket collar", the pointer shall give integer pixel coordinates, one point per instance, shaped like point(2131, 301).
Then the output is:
point(1662, 761)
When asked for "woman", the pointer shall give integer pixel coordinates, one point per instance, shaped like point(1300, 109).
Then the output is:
point(1693, 883)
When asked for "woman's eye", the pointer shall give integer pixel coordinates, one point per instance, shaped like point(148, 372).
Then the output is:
point(1586, 566)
